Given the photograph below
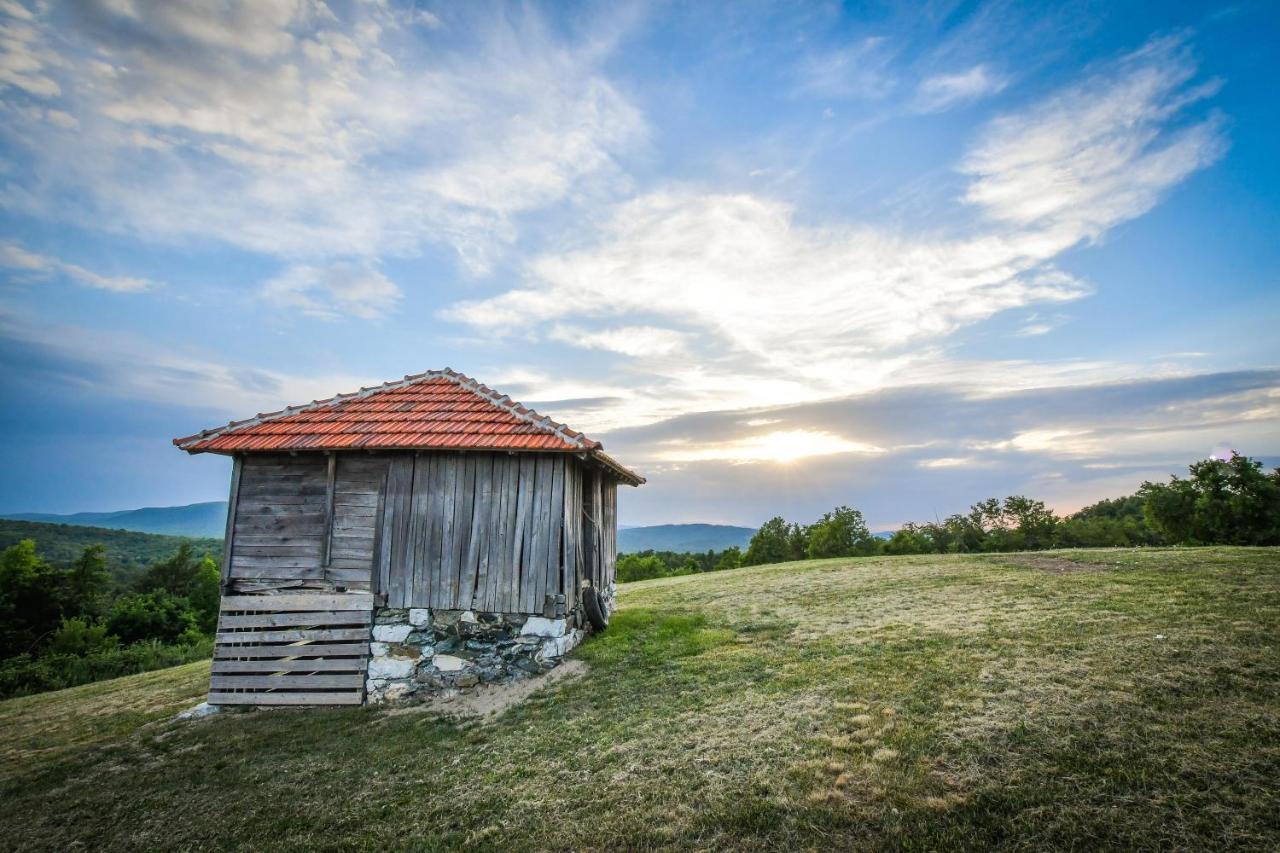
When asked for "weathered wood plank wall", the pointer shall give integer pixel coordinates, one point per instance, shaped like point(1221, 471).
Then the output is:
point(279, 529)
point(496, 532)
point(477, 531)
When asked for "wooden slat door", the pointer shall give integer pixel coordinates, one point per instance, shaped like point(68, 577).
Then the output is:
point(291, 649)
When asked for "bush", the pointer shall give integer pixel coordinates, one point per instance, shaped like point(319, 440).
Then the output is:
point(155, 615)
point(23, 675)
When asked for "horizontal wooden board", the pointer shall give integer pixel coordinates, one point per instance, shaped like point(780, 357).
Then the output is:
point(353, 680)
point(280, 620)
point(275, 566)
point(339, 665)
point(356, 500)
point(290, 636)
point(298, 650)
point(345, 697)
point(302, 549)
point(297, 601)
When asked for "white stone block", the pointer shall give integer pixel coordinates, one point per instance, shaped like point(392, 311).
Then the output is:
point(391, 667)
point(378, 650)
point(450, 663)
point(396, 692)
point(468, 616)
point(419, 616)
point(541, 626)
point(391, 633)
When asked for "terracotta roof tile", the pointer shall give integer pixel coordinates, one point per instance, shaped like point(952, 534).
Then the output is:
point(437, 410)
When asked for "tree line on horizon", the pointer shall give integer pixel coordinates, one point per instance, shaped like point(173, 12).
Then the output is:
point(1220, 502)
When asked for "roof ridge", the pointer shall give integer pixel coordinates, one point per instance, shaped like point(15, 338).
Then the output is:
point(267, 417)
point(489, 395)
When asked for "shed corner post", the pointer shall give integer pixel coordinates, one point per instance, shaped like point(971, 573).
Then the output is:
point(232, 500)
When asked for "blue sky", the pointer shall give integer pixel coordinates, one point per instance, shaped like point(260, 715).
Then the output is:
point(776, 256)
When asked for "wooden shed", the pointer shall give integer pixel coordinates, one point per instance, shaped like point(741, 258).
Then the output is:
point(422, 535)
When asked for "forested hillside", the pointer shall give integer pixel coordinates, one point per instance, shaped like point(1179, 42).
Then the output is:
point(128, 553)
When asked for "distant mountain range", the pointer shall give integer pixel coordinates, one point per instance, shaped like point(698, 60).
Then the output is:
point(210, 520)
point(692, 538)
point(204, 519)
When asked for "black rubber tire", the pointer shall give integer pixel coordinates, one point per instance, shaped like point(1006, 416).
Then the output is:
point(593, 606)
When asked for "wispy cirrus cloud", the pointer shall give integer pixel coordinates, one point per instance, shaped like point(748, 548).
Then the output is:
point(1100, 152)
point(333, 291)
point(33, 264)
point(944, 91)
point(289, 130)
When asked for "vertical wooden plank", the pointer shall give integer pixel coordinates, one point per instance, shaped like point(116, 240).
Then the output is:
point(521, 534)
point(610, 538)
point(416, 591)
point(572, 510)
point(397, 568)
point(476, 565)
point(440, 590)
point(463, 503)
point(488, 592)
point(535, 571)
point(555, 529)
point(331, 470)
point(500, 554)
point(233, 503)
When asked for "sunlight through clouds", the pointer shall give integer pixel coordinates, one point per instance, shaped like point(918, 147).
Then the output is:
point(781, 446)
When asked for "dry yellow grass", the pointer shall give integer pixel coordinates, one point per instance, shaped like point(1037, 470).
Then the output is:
point(978, 702)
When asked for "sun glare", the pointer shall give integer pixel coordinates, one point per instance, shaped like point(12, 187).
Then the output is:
point(782, 446)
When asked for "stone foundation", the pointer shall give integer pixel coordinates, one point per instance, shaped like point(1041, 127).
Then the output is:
point(424, 652)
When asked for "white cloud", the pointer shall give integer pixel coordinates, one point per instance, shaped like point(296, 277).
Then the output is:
point(634, 341)
point(27, 63)
point(126, 367)
point(1100, 152)
point(947, 90)
point(337, 290)
point(282, 129)
point(780, 446)
point(777, 310)
point(856, 71)
point(946, 462)
point(13, 256)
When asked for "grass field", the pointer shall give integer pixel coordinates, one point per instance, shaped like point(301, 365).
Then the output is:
point(1123, 699)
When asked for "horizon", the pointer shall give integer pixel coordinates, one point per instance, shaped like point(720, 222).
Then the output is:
point(776, 258)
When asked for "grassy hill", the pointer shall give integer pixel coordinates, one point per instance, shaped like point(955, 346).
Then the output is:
point(683, 538)
point(196, 520)
point(1122, 699)
point(128, 553)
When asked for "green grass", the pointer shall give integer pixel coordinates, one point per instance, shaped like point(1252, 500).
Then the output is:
point(1122, 699)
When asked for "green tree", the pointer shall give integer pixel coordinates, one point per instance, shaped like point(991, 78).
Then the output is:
point(840, 533)
point(155, 615)
point(87, 581)
point(730, 558)
point(1223, 502)
point(177, 575)
point(78, 637)
point(909, 539)
point(770, 544)
point(30, 599)
point(206, 595)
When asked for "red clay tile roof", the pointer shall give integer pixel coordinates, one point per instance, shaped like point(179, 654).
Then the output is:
point(437, 410)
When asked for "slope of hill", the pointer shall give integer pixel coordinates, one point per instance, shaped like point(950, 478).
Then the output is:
point(1123, 698)
point(202, 519)
point(128, 552)
point(689, 538)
